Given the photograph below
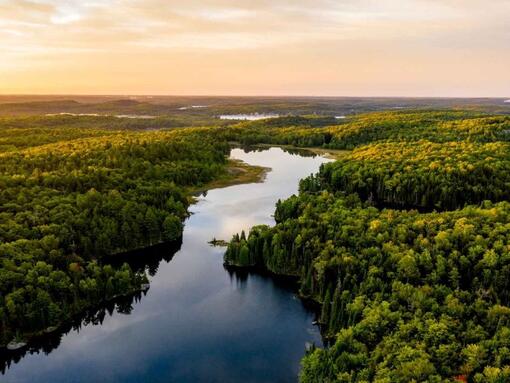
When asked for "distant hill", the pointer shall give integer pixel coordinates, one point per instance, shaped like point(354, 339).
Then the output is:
point(213, 106)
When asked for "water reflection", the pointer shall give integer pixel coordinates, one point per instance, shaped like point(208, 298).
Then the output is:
point(46, 343)
point(146, 259)
point(198, 322)
point(300, 152)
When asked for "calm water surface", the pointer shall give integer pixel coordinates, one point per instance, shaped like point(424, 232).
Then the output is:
point(198, 322)
point(248, 117)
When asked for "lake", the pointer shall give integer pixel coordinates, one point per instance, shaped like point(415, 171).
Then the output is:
point(198, 322)
point(248, 117)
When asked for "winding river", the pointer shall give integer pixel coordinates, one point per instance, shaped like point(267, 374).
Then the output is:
point(198, 322)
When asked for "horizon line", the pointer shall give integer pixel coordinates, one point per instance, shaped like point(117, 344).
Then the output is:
point(239, 95)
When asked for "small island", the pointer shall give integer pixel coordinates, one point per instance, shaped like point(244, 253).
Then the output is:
point(218, 242)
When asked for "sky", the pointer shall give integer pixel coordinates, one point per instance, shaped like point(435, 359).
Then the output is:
point(256, 47)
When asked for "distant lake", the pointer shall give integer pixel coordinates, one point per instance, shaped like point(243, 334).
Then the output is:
point(193, 107)
point(73, 114)
point(248, 117)
point(140, 116)
point(198, 322)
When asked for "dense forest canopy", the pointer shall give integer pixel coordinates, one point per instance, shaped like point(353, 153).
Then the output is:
point(22, 132)
point(411, 295)
point(348, 133)
point(404, 240)
point(403, 243)
point(66, 204)
point(421, 174)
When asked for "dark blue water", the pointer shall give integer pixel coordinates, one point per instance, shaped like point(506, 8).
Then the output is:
point(198, 322)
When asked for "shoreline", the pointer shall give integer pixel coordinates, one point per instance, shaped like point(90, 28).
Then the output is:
point(237, 172)
point(332, 154)
point(28, 339)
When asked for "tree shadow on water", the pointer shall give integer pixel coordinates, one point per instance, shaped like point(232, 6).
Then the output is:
point(141, 260)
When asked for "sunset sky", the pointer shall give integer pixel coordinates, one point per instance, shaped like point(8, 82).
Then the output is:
point(259, 47)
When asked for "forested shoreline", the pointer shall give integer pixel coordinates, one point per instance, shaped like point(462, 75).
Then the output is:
point(67, 204)
point(404, 240)
point(356, 130)
point(418, 293)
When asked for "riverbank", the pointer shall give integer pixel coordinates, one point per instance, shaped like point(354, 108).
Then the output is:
point(191, 287)
point(238, 172)
point(24, 341)
point(332, 154)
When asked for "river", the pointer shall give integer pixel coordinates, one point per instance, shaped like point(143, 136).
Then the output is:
point(198, 322)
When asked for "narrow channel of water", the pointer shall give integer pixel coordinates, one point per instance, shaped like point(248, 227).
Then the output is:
point(198, 322)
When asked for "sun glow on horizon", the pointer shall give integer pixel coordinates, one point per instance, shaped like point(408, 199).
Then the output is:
point(281, 47)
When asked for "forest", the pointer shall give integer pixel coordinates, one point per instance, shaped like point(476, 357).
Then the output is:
point(438, 126)
point(405, 244)
point(403, 241)
point(421, 174)
point(88, 193)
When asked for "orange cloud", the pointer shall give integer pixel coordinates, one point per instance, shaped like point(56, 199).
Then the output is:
point(344, 47)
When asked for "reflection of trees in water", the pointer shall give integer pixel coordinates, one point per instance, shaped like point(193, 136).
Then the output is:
point(292, 151)
point(139, 260)
point(242, 275)
point(300, 152)
point(48, 342)
point(146, 259)
point(239, 277)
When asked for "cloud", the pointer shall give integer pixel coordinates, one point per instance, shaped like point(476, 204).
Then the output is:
point(115, 33)
point(244, 24)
